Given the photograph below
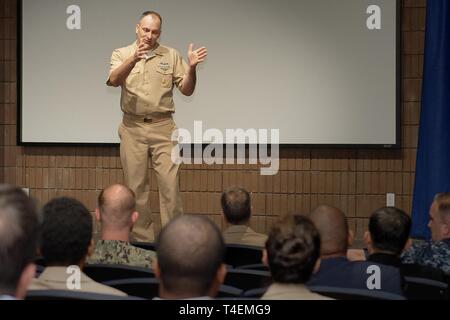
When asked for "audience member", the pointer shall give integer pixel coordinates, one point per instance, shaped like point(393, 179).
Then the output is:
point(237, 209)
point(117, 214)
point(67, 242)
point(387, 236)
point(291, 253)
point(436, 253)
point(19, 231)
point(190, 253)
point(335, 269)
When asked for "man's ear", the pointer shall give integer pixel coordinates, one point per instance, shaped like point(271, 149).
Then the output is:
point(156, 270)
point(25, 280)
point(367, 239)
point(221, 273)
point(265, 258)
point(317, 266)
point(90, 248)
point(350, 237)
point(408, 244)
point(134, 217)
point(97, 214)
point(445, 229)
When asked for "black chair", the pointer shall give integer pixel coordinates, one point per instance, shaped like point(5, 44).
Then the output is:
point(149, 288)
point(144, 245)
point(229, 292)
point(146, 288)
point(106, 272)
point(72, 295)
point(255, 293)
point(247, 279)
point(420, 271)
point(355, 294)
point(257, 266)
point(425, 289)
point(239, 255)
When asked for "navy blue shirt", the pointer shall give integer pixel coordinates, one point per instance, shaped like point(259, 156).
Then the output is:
point(343, 273)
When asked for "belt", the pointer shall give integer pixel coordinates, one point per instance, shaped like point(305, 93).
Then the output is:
point(151, 118)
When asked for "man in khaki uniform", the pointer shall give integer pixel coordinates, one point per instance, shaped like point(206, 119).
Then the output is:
point(117, 214)
point(66, 242)
point(291, 253)
point(236, 206)
point(147, 73)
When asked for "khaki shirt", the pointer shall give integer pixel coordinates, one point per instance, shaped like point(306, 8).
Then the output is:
point(55, 278)
point(284, 291)
point(241, 234)
point(149, 86)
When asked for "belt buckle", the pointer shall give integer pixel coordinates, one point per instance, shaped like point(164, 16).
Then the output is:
point(148, 120)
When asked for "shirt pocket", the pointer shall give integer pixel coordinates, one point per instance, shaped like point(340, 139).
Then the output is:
point(165, 77)
point(134, 78)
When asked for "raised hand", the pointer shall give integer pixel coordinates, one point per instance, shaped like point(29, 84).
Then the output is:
point(141, 51)
point(196, 56)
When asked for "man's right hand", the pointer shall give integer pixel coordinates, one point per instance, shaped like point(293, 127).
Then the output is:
point(142, 49)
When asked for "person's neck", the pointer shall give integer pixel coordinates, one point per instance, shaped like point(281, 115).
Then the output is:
point(117, 235)
point(244, 224)
point(334, 255)
point(163, 294)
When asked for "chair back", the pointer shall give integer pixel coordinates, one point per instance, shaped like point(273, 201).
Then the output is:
point(238, 255)
point(106, 272)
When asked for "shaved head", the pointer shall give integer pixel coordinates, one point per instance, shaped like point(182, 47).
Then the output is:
point(333, 229)
point(116, 203)
point(190, 251)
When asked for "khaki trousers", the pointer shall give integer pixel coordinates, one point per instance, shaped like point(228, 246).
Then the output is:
point(137, 140)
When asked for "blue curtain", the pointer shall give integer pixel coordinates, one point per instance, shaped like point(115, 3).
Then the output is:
point(433, 154)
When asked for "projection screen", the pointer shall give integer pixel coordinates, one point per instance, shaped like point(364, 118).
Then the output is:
point(323, 72)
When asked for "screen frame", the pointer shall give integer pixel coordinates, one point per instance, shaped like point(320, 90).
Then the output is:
point(398, 121)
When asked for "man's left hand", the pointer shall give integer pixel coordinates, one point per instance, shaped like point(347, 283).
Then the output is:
point(196, 56)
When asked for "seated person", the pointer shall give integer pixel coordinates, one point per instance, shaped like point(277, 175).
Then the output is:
point(335, 269)
point(388, 235)
point(436, 253)
point(237, 208)
point(291, 253)
point(19, 231)
point(66, 240)
point(117, 214)
point(189, 262)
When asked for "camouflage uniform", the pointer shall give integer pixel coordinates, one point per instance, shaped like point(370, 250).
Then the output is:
point(435, 255)
point(120, 252)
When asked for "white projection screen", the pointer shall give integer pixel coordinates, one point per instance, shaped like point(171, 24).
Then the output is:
point(323, 72)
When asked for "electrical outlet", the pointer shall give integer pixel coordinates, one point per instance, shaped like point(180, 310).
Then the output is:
point(390, 199)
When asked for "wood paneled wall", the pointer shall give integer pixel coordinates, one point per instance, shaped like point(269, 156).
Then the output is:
point(354, 180)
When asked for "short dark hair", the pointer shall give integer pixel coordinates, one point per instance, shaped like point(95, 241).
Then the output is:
point(389, 229)
point(152, 13)
point(190, 251)
point(19, 231)
point(66, 232)
point(236, 205)
point(293, 247)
